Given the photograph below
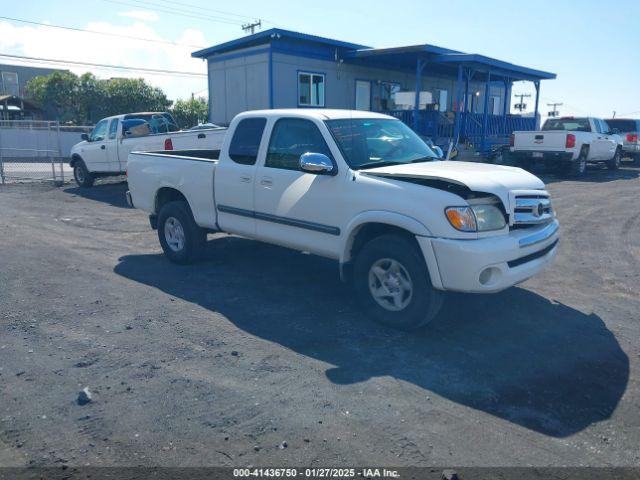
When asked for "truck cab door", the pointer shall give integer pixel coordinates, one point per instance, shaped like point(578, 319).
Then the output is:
point(94, 153)
point(601, 144)
point(113, 144)
point(295, 208)
point(235, 176)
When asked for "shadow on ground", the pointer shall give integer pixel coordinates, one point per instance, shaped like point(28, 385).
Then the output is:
point(516, 355)
point(594, 174)
point(111, 193)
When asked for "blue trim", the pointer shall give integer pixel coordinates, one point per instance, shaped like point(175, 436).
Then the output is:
point(324, 88)
point(496, 64)
point(231, 56)
point(266, 36)
point(355, 93)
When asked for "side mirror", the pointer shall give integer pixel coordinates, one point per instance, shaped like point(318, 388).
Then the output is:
point(85, 137)
point(316, 163)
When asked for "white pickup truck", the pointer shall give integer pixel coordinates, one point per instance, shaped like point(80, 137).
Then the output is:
point(360, 188)
point(104, 151)
point(568, 143)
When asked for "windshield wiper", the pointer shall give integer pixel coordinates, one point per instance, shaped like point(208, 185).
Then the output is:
point(423, 159)
point(377, 164)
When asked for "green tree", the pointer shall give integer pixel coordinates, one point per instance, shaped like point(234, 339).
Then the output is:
point(57, 94)
point(124, 95)
point(189, 113)
point(86, 99)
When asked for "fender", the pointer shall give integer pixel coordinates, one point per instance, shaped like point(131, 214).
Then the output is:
point(379, 216)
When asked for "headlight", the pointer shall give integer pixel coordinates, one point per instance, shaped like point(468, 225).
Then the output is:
point(476, 218)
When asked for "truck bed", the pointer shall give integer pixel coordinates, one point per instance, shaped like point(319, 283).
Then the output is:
point(152, 172)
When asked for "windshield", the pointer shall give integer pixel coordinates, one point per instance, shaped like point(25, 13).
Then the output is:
point(376, 142)
point(570, 124)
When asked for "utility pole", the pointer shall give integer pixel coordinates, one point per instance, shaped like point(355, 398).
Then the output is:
point(554, 112)
point(251, 27)
point(521, 106)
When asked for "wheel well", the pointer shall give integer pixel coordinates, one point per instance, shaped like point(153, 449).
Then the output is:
point(369, 231)
point(74, 158)
point(166, 195)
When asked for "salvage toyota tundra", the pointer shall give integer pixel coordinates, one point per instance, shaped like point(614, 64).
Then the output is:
point(362, 189)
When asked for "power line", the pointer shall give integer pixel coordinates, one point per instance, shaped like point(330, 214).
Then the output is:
point(160, 8)
point(200, 8)
point(74, 29)
point(153, 71)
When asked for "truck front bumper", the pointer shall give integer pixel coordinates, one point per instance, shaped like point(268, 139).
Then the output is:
point(490, 264)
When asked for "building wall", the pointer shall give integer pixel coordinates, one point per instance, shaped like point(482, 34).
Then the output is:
point(241, 82)
point(24, 75)
point(238, 84)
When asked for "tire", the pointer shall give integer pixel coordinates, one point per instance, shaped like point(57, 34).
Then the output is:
point(578, 167)
point(182, 240)
point(82, 176)
point(399, 257)
point(614, 163)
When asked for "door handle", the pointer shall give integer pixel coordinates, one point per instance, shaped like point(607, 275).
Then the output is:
point(102, 147)
point(245, 178)
point(202, 135)
point(266, 181)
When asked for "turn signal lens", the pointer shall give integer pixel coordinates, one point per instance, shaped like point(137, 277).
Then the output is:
point(461, 218)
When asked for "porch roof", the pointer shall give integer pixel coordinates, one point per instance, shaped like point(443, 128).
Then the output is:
point(444, 60)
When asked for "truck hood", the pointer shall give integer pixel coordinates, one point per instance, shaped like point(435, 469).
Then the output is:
point(478, 177)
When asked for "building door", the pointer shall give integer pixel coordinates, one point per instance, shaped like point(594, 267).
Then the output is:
point(494, 107)
point(363, 95)
point(442, 100)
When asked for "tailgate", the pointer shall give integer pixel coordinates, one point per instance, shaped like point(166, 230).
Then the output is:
point(540, 141)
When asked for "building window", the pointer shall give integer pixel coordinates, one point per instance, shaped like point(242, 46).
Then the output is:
point(310, 89)
point(9, 84)
point(363, 95)
point(442, 100)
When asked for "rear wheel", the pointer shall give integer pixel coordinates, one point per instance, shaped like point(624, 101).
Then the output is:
point(81, 175)
point(181, 238)
point(576, 168)
point(614, 163)
point(392, 283)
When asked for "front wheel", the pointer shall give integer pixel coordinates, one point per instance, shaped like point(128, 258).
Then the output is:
point(82, 176)
point(614, 163)
point(181, 238)
point(392, 283)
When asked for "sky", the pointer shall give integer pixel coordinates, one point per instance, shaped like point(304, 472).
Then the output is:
point(593, 46)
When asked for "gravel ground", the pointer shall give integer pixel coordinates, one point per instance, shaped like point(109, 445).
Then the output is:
point(259, 355)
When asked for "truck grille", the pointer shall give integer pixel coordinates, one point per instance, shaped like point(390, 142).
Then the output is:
point(531, 210)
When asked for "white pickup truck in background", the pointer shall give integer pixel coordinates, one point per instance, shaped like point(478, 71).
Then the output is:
point(104, 151)
point(360, 188)
point(568, 143)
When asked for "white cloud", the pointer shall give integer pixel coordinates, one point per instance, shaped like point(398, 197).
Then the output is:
point(44, 42)
point(143, 15)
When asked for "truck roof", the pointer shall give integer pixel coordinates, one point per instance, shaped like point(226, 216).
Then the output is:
point(316, 113)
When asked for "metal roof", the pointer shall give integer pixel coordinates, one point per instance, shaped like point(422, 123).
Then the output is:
point(265, 36)
point(439, 58)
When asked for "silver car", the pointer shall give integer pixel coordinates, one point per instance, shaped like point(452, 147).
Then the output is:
point(629, 130)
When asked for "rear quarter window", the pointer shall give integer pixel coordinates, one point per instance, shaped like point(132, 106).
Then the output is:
point(246, 140)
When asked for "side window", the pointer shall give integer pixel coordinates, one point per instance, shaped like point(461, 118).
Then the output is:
point(310, 89)
point(291, 138)
point(598, 124)
point(113, 129)
point(246, 140)
point(99, 131)
point(605, 126)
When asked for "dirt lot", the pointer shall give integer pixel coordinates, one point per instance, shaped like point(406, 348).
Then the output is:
point(260, 356)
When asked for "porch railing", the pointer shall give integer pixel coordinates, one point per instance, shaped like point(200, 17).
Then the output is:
point(440, 126)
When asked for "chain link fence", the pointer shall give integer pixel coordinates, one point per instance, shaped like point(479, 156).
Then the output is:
point(37, 150)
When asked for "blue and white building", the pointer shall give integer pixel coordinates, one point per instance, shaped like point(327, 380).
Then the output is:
point(441, 93)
